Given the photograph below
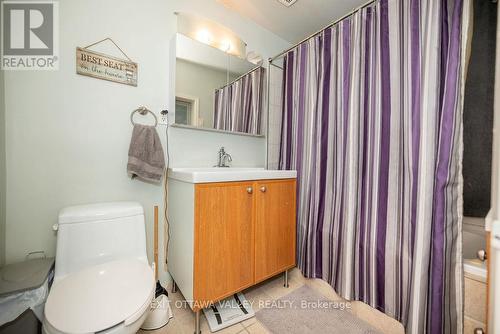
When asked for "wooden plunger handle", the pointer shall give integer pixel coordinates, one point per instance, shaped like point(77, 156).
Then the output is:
point(156, 241)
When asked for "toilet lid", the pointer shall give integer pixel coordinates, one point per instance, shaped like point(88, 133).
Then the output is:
point(99, 297)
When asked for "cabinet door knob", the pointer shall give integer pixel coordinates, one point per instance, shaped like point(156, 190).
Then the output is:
point(481, 255)
point(249, 190)
point(263, 189)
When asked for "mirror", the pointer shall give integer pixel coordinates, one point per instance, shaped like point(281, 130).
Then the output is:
point(216, 90)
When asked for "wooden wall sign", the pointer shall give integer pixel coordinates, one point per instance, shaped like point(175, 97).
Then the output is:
point(101, 66)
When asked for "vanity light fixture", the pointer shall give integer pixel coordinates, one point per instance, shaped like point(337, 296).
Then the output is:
point(210, 33)
point(225, 46)
point(204, 36)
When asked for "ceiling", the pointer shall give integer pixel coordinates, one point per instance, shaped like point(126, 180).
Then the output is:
point(296, 22)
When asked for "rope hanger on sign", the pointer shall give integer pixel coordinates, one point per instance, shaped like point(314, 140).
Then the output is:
point(109, 39)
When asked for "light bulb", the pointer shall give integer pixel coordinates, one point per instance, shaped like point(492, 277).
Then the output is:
point(204, 36)
point(225, 46)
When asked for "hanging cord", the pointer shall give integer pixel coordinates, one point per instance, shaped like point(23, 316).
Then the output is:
point(109, 39)
point(166, 225)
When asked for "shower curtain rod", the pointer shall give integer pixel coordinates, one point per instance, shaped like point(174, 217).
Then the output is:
point(238, 78)
point(282, 53)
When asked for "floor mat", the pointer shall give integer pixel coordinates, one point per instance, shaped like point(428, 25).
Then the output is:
point(305, 311)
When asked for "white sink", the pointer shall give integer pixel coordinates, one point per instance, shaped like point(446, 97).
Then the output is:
point(220, 174)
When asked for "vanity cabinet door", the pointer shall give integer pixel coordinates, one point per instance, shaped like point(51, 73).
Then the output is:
point(224, 239)
point(275, 227)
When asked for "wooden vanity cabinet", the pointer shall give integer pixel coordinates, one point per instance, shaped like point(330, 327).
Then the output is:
point(275, 228)
point(237, 234)
point(224, 239)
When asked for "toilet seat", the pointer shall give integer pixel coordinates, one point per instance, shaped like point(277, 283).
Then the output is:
point(100, 297)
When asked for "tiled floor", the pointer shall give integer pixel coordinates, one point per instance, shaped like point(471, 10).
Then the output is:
point(268, 291)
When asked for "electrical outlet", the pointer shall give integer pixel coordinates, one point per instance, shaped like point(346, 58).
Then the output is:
point(163, 119)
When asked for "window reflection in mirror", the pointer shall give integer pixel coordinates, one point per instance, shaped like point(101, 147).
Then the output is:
point(187, 110)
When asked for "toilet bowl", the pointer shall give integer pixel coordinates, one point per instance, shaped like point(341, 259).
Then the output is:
point(103, 282)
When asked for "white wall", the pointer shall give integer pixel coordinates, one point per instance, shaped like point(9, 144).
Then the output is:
point(67, 135)
point(196, 80)
point(2, 170)
point(493, 218)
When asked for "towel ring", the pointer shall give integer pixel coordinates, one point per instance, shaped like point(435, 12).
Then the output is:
point(143, 111)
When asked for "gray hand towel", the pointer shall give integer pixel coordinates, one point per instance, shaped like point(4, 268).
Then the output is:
point(145, 154)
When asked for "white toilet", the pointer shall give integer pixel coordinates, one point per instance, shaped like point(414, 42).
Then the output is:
point(103, 282)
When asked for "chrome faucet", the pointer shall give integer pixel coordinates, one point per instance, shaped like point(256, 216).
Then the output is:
point(223, 158)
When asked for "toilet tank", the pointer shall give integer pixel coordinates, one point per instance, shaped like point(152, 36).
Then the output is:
point(92, 234)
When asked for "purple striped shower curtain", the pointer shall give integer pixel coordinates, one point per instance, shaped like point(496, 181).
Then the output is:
point(372, 122)
point(238, 105)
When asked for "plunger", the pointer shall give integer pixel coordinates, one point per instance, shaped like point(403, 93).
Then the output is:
point(160, 312)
